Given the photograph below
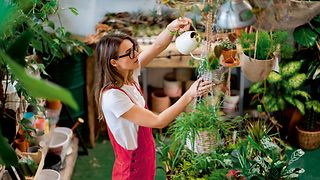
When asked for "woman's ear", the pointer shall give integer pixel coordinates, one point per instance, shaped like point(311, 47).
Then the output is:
point(113, 62)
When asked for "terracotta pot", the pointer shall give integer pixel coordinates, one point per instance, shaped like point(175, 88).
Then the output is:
point(54, 104)
point(22, 144)
point(229, 58)
point(159, 101)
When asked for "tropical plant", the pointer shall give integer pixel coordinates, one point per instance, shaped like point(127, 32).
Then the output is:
point(268, 162)
point(311, 120)
point(282, 89)
point(308, 34)
point(266, 44)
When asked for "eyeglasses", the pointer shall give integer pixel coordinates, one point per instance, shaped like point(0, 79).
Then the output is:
point(131, 53)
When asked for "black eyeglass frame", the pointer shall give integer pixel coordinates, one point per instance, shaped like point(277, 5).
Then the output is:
point(131, 53)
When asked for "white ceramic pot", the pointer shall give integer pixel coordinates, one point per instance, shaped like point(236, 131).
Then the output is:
point(230, 103)
point(58, 142)
point(172, 88)
point(67, 148)
point(48, 174)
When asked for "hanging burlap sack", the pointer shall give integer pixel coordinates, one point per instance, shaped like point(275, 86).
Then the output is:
point(285, 14)
point(255, 70)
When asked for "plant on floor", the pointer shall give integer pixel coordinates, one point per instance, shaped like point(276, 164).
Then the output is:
point(266, 44)
point(205, 121)
point(267, 163)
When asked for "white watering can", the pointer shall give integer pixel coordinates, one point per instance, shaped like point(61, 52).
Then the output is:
point(186, 43)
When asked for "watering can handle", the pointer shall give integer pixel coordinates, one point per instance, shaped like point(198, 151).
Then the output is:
point(194, 57)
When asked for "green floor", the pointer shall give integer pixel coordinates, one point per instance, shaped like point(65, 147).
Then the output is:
point(98, 164)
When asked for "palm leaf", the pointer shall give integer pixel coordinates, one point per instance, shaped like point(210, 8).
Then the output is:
point(305, 36)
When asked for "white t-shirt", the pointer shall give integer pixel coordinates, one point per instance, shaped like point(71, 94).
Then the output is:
point(114, 104)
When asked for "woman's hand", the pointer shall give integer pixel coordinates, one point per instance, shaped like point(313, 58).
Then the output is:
point(181, 24)
point(200, 88)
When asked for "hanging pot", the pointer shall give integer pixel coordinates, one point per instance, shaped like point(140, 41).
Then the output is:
point(255, 70)
point(230, 58)
point(285, 15)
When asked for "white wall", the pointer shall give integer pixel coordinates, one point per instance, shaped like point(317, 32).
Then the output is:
point(92, 11)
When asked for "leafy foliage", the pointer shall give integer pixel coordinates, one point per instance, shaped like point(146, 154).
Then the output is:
point(227, 44)
point(307, 34)
point(283, 89)
point(264, 159)
point(266, 45)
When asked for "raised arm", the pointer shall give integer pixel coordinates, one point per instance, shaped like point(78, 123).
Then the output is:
point(147, 118)
point(164, 39)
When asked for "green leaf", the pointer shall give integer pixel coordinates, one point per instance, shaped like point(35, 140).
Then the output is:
point(297, 80)
point(74, 11)
point(6, 13)
point(301, 93)
point(305, 36)
point(37, 45)
point(256, 88)
point(50, 24)
point(18, 49)
point(300, 106)
point(314, 104)
point(281, 103)
point(274, 77)
point(291, 68)
point(38, 87)
point(290, 100)
point(8, 156)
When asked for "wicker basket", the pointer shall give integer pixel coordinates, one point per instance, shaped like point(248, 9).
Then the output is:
point(203, 143)
point(308, 140)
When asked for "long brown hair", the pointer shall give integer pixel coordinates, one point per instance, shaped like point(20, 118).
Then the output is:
point(105, 73)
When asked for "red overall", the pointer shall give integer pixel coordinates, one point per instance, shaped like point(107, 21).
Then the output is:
point(139, 164)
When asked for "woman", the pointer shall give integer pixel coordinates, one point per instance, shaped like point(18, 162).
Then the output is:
point(120, 101)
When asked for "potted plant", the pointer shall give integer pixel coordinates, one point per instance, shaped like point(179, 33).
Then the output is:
point(200, 130)
point(308, 130)
point(262, 155)
point(260, 50)
point(229, 52)
point(282, 91)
